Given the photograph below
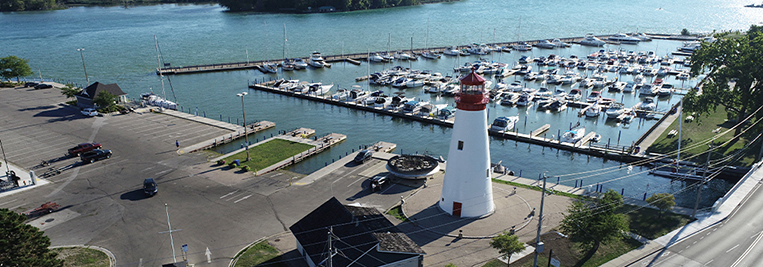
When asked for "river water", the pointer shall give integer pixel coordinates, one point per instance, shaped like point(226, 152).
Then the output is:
point(119, 48)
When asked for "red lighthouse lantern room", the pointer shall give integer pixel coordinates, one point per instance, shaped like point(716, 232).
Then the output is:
point(472, 96)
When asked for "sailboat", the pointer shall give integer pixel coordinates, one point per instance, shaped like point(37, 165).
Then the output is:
point(428, 54)
point(675, 171)
point(286, 64)
point(153, 99)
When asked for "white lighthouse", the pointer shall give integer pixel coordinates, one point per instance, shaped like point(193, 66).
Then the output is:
point(467, 190)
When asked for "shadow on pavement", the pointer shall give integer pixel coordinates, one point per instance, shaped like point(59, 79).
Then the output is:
point(134, 195)
point(436, 222)
point(37, 108)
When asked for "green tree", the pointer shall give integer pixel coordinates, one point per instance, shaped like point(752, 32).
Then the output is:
point(14, 67)
point(104, 100)
point(507, 244)
point(22, 244)
point(734, 69)
point(663, 201)
point(70, 91)
point(594, 221)
point(685, 32)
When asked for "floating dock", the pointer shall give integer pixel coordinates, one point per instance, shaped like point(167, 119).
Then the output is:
point(358, 57)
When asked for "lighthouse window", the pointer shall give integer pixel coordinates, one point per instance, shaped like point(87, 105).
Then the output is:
point(460, 145)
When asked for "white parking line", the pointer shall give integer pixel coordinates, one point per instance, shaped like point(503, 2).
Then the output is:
point(228, 194)
point(3, 204)
point(242, 199)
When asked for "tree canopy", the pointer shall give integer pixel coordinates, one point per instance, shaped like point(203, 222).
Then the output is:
point(69, 91)
point(734, 67)
point(14, 67)
point(311, 5)
point(507, 244)
point(594, 221)
point(104, 99)
point(22, 244)
point(663, 201)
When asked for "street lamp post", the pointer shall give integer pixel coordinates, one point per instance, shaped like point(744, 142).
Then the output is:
point(246, 136)
point(7, 169)
point(83, 64)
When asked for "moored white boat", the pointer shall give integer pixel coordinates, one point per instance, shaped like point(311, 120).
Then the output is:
point(573, 136)
point(591, 40)
point(504, 124)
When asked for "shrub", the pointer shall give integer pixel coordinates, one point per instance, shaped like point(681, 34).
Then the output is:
point(232, 165)
point(221, 162)
point(246, 168)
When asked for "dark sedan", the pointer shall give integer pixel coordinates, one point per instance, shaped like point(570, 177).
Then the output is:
point(95, 154)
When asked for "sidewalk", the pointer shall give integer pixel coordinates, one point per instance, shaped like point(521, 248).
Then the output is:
point(721, 209)
point(25, 183)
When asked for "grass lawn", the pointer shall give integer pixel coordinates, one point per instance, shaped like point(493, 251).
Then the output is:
point(82, 257)
point(568, 253)
point(701, 130)
point(259, 253)
point(269, 153)
point(649, 223)
point(398, 213)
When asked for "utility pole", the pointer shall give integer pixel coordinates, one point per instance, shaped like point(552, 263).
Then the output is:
point(83, 64)
point(538, 244)
point(246, 136)
point(704, 179)
point(331, 249)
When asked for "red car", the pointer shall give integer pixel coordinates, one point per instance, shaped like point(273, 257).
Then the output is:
point(82, 148)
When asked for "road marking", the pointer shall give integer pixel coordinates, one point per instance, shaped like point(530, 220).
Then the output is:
point(732, 248)
point(755, 235)
point(236, 196)
point(359, 179)
point(242, 199)
point(702, 237)
point(385, 190)
point(663, 261)
point(162, 172)
point(687, 247)
point(3, 204)
point(228, 194)
point(747, 251)
point(695, 242)
point(140, 264)
point(708, 262)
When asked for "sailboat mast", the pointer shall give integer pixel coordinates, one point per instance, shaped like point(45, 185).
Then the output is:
point(159, 65)
point(284, 40)
point(680, 123)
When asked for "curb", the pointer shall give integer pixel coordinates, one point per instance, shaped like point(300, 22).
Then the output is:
point(235, 258)
point(112, 259)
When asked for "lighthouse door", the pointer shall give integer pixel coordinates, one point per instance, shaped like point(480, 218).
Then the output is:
point(457, 209)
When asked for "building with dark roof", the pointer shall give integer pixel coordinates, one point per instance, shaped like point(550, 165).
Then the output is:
point(85, 97)
point(359, 237)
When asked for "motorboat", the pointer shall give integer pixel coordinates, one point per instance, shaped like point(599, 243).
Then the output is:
point(504, 124)
point(629, 87)
point(427, 109)
point(690, 46)
point(530, 76)
point(401, 82)
point(663, 71)
point(665, 89)
point(559, 43)
point(452, 51)
point(682, 76)
point(414, 83)
point(594, 96)
point(375, 57)
point(514, 87)
point(508, 98)
point(546, 44)
point(624, 39)
point(591, 40)
point(319, 88)
point(522, 46)
point(402, 55)
point(543, 93)
point(573, 136)
point(444, 111)
point(341, 95)
point(269, 67)
point(559, 93)
point(647, 104)
point(299, 64)
point(429, 55)
point(614, 110)
point(593, 111)
point(525, 100)
point(316, 60)
point(382, 102)
point(437, 87)
point(559, 104)
point(647, 89)
point(574, 95)
point(357, 95)
point(412, 107)
point(287, 65)
point(643, 37)
point(616, 87)
point(398, 101)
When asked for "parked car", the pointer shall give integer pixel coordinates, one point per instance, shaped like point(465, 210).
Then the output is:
point(363, 156)
point(149, 187)
point(95, 154)
point(43, 86)
point(90, 112)
point(30, 84)
point(82, 148)
point(378, 181)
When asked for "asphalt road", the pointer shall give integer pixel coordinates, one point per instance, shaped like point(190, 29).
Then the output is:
point(731, 242)
point(103, 204)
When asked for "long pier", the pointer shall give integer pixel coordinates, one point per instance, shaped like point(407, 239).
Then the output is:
point(356, 58)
